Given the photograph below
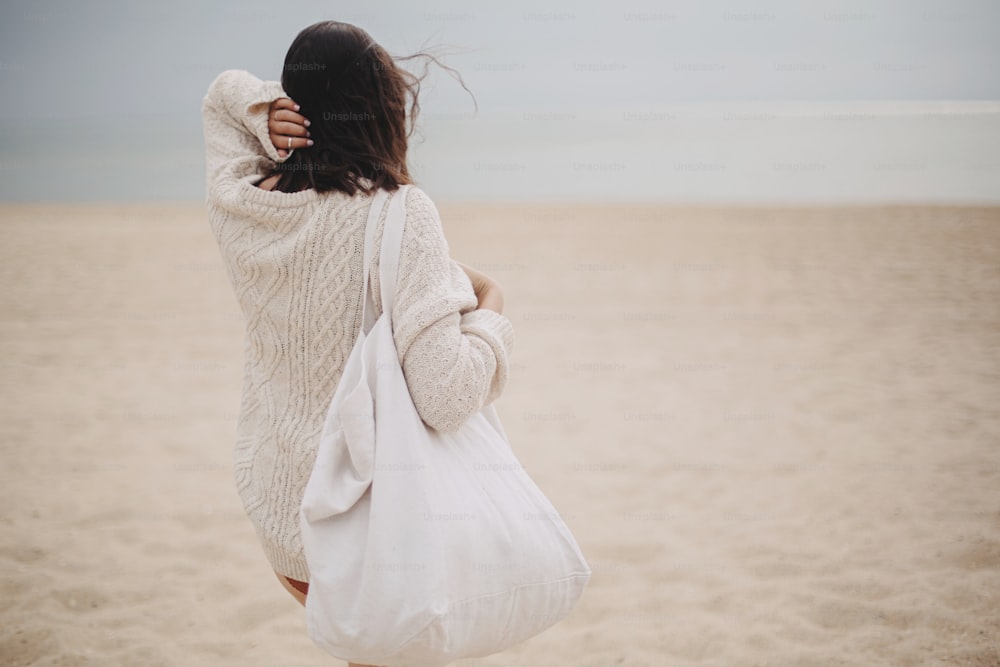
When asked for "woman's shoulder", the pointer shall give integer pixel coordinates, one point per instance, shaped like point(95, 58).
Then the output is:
point(422, 229)
point(422, 215)
point(419, 203)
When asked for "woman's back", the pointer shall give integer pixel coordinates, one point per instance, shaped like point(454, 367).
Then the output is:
point(295, 263)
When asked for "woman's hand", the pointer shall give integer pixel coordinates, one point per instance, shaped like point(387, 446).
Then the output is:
point(284, 123)
point(488, 292)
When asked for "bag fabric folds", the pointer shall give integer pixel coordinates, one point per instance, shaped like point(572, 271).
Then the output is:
point(424, 547)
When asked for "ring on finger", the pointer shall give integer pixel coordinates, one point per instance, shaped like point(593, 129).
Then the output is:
point(289, 143)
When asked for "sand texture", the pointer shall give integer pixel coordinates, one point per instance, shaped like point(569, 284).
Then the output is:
point(774, 432)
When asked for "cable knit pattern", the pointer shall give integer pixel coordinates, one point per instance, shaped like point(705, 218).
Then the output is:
point(294, 262)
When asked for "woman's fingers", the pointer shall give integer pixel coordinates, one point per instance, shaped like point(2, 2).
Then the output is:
point(289, 117)
point(288, 129)
point(285, 103)
point(281, 142)
point(285, 122)
point(285, 109)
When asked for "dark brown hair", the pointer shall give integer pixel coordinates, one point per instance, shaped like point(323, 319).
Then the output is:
point(355, 97)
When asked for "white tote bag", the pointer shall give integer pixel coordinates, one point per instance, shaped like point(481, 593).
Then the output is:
point(423, 546)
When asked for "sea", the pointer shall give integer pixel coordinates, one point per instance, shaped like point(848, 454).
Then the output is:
point(746, 152)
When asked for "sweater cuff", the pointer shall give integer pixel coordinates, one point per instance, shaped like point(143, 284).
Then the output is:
point(255, 116)
point(498, 332)
point(495, 328)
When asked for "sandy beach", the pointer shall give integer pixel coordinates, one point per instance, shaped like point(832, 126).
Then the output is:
point(775, 433)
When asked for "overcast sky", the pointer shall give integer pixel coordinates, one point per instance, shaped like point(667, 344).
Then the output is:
point(113, 73)
point(79, 58)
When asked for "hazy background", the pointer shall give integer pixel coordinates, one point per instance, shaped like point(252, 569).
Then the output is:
point(772, 430)
point(641, 101)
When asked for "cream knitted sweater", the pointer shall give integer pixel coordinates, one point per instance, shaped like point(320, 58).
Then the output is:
point(295, 262)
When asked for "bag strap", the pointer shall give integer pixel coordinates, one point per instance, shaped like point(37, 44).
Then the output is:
point(392, 242)
point(378, 203)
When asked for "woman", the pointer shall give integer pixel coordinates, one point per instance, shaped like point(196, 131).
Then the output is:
point(291, 171)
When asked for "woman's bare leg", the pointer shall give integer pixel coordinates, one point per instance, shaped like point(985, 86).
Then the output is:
point(296, 593)
point(300, 596)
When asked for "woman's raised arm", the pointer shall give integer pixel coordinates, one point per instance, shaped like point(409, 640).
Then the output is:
point(235, 118)
point(455, 355)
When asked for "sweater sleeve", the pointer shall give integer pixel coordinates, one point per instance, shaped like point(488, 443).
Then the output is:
point(455, 357)
point(234, 114)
